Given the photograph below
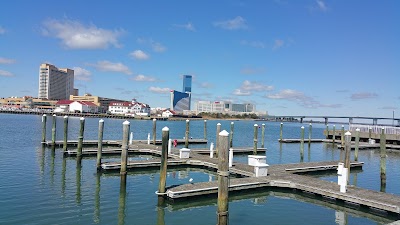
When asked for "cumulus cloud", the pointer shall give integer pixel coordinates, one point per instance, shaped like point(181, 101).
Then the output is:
point(189, 26)
point(107, 66)
point(363, 95)
point(82, 74)
point(255, 86)
point(143, 78)
point(156, 46)
point(139, 55)
point(4, 73)
point(300, 98)
point(239, 92)
point(6, 61)
point(233, 24)
point(159, 90)
point(254, 44)
point(74, 35)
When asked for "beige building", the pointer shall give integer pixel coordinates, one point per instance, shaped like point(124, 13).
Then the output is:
point(54, 83)
point(101, 102)
point(26, 102)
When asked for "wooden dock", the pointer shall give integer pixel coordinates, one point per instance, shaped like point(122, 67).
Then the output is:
point(294, 140)
point(367, 146)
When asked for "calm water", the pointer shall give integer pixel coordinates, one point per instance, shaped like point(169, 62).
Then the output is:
point(40, 186)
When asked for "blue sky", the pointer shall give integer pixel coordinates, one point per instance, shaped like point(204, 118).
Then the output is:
point(310, 57)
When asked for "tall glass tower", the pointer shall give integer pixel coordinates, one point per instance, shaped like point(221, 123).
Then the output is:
point(187, 87)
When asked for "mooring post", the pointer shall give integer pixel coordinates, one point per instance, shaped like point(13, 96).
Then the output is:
point(100, 144)
point(369, 133)
point(342, 136)
point(212, 150)
point(65, 147)
point(44, 120)
point(280, 133)
point(357, 144)
point(302, 144)
point(131, 138)
point(327, 131)
point(309, 133)
point(164, 158)
point(217, 139)
point(231, 135)
point(148, 138)
point(80, 137)
point(223, 178)
point(230, 157)
point(169, 146)
point(383, 156)
point(53, 130)
point(124, 152)
point(334, 134)
point(154, 131)
point(187, 134)
point(205, 129)
point(255, 139)
point(262, 135)
point(347, 154)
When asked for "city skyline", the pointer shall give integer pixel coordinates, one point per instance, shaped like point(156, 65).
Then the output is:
point(313, 57)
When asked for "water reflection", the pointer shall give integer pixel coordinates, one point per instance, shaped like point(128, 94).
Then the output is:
point(122, 200)
point(52, 158)
point(309, 152)
point(96, 217)
point(78, 181)
point(63, 175)
point(160, 215)
point(341, 218)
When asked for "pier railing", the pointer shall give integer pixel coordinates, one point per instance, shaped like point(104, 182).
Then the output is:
point(375, 129)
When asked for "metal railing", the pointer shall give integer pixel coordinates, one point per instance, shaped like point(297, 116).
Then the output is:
point(375, 129)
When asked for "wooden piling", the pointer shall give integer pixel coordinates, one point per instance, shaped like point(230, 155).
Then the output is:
point(205, 129)
point(80, 137)
point(217, 139)
point(187, 134)
point(342, 136)
point(302, 144)
point(309, 133)
point(164, 158)
point(100, 144)
point(53, 130)
point(154, 131)
point(223, 178)
point(327, 131)
point(357, 143)
point(281, 132)
point(262, 135)
point(369, 133)
point(44, 121)
point(231, 135)
point(65, 144)
point(383, 156)
point(255, 139)
point(334, 134)
point(124, 152)
point(347, 153)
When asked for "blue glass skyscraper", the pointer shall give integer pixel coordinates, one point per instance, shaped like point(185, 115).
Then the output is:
point(187, 83)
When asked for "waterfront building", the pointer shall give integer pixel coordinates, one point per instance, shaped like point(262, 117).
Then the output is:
point(133, 108)
point(54, 83)
point(180, 101)
point(224, 107)
point(168, 113)
point(76, 106)
point(101, 102)
point(26, 102)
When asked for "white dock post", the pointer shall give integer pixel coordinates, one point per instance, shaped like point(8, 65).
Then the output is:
point(212, 150)
point(148, 138)
point(230, 157)
point(131, 138)
point(169, 146)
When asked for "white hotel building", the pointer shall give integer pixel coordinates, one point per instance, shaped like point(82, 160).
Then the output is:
point(224, 107)
point(54, 83)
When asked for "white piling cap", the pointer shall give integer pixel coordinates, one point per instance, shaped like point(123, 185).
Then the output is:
point(232, 123)
point(224, 133)
point(218, 124)
point(126, 122)
point(358, 129)
point(310, 124)
point(82, 118)
point(255, 125)
point(348, 133)
point(65, 117)
point(342, 125)
point(383, 128)
point(187, 121)
point(101, 121)
point(302, 127)
point(44, 115)
point(165, 129)
point(281, 123)
point(54, 115)
point(263, 124)
point(205, 120)
point(334, 125)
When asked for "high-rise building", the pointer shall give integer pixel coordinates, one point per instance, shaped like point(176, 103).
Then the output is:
point(54, 83)
point(187, 83)
point(180, 101)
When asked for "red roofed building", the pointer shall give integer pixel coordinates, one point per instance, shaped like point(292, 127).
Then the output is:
point(129, 108)
point(76, 106)
point(168, 113)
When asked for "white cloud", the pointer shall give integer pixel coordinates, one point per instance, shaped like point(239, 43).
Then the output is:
point(363, 95)
point(143, 78)
point(300, 98)
point(6, 61)
point(159, 90)
point(75, 35)
point(321, 5)
point(233, 24)
point(4, 73)
point(139, 55)
point(189, 26)
point(278, 44)
point(239, 92)
point(2, 30)
point(156, 46)
point(82, 74)
point(255, 86)
point(254, 44)
point(107, 66)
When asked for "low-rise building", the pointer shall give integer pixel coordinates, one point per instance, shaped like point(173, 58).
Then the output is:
point(168, 113)
point(133, 108)
point(76, 106)
point(224, 107)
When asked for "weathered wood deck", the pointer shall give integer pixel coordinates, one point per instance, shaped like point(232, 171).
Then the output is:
point(367, 146)
point(306, 140)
